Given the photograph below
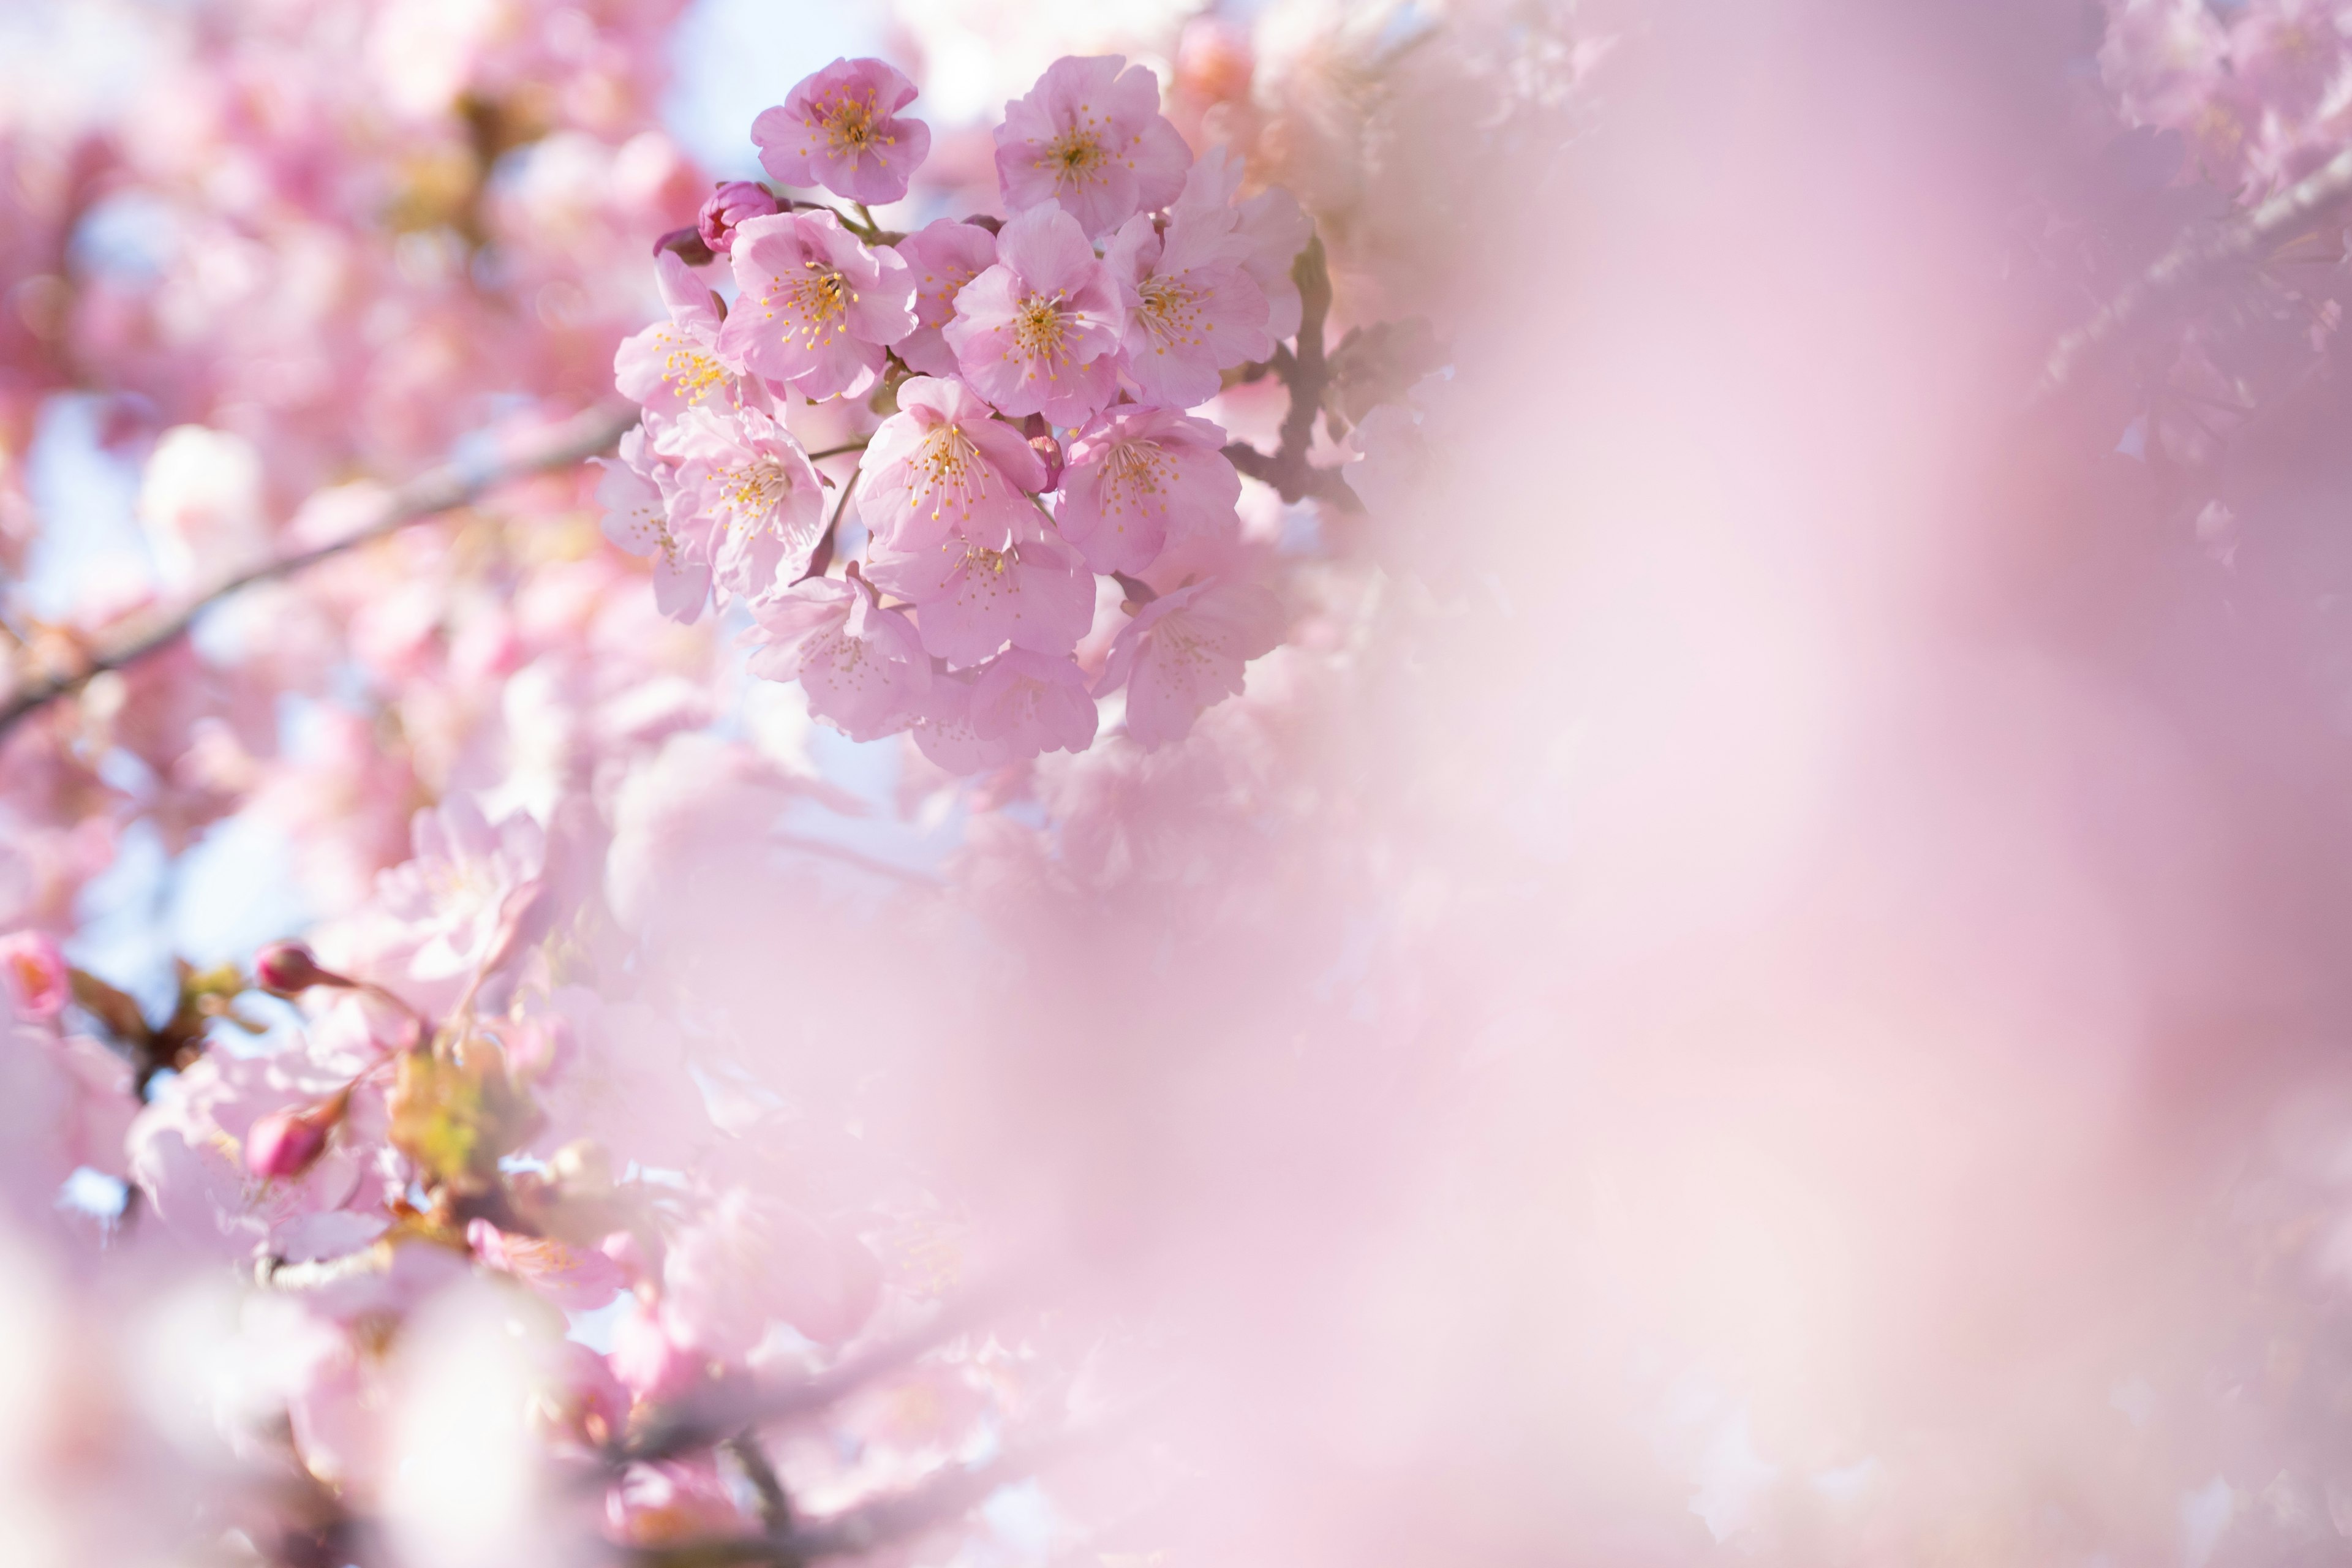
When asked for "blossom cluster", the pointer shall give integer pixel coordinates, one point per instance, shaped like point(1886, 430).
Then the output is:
point(1040, 377)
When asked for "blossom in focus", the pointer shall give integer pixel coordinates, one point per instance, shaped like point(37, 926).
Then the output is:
point(970, 599)
point(1038, 332)
point(945, 464)
point(863, 666)
point(636, 518)
point(35, 972)
point(839, 129)
point(1190, 310)
point(743, 497)
point(1263, 234)
point(818, 305)
point(1184, 652)
point(1139, 478)
point(732, 206)
point(945, 255)
point(1090, 136)
point(675, 365)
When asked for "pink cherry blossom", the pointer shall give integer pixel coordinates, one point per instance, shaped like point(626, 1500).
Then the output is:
point(1029, 702)
point(945, 255)
point(34, 972)
point(817, 306)
point(1190, 311)
point(1037, 332)
point(863, 666)
point(1264, 235)
point(745, 1263)
point(971, 599)
point(636, 518)
point(732, 205)
point(675, 365)
point(1139, 479)
point(742, 496)
point(1184, 652)
point(576, 1278)
point(1090, 136)
point(839, 129)
point(943, 466)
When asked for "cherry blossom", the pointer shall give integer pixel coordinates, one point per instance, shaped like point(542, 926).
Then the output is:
point(1089, 136)
point(971, 599)
point(840, 128)
point(864, 666)
point(1036, 333)
point(675, 365)
point(818, 306)
point(945, 255)
point(742, 496)
point(1184, 652)
point(944, 466)
point(636, 518)
point(1190, 312)
point(1140, 477)
point(35, 974)
point(729, 206)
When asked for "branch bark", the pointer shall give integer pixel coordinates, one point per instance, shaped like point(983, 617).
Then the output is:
point(1307, 374)
point(2193, 258)
point(427, 496)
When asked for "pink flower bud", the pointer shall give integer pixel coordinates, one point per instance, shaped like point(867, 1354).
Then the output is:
point(285, 1143)
point(289, 968)
point(1049, 449)
point(38, 982)
point(734, 202)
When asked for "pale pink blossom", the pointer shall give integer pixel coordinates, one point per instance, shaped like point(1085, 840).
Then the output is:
point(675, 365)
point(945, 255)
point(436, 917)
point(1090, 137)
point(35, 972)
point(1027, 702)
point(1139, 479)
point(1190, 310)
point(742, 496)
point(840, 128)
point(1184, 652)
point(1264, 235)
point(863, 666)
point(818, 305)
point(1038, 332)
point(944, 466)
point(636, 518)
point(971, 599)
point(732, 205)
point(576, 1278)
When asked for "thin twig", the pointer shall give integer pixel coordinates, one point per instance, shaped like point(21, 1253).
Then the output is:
point(2194, 258)
point(775, 1507)
point(427, 496)
point(1307, 374)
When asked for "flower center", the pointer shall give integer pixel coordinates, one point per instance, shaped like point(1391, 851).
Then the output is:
point(1138, 475)
point(817, 305)
point(852, 126)
point(754, 492)
point(1076, 156)
point(1172, 311)
point(1041, 328)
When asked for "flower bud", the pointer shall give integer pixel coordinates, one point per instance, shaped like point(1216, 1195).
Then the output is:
point(289, 968)
point(1049, 449)
point(285, 1143)
point(38, 981)
point(732, 204)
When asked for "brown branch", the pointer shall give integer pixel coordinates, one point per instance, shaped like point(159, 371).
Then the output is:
point(1308, 374)
point(2194, 256)
point(427, 496)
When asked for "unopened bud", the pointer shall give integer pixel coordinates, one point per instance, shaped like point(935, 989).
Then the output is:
point(687, 243)
point(289, 968)
point(734, 203)
point(285, 1143)
point(1049, 449)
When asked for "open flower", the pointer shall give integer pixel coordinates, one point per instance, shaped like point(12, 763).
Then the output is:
point(636, 518)
point(675, 365)
point(1191, 309)
point(1140, 478)
point(34, 972)
point(818, 305)
point(1090, 137)
point(839, 129)
point(863, 666)
point(1264, 235)
point(945, 464)
point(1014, 707)
point(1037, 332)
point(1184, 652)
point(972, 599)
point(743, 495)
point(945, 255)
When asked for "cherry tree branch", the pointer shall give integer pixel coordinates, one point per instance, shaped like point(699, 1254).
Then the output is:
point(1308, 374)
point(2193, 257)
point(427, 496)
